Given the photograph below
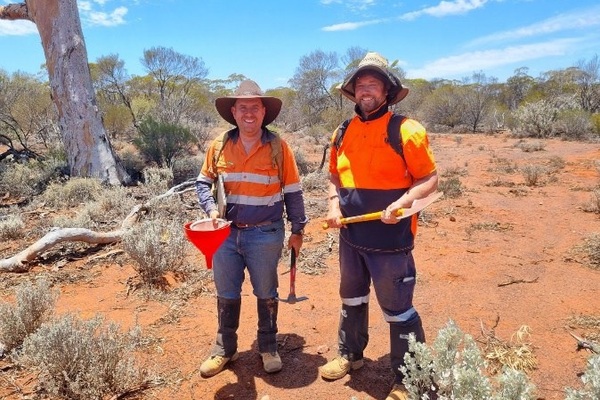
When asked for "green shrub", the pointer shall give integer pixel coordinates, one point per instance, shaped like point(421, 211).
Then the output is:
point(574, 124)
point(72, 193)
point(161, 142)
point(452, 187)
point(596, 123)
point(30, 178)
point(186, 168)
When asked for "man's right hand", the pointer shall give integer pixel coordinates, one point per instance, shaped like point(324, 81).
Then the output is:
point(214, 215)
point(333, 219)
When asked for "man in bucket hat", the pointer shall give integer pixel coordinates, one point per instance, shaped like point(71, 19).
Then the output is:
point(258, 189)
point(367, 175)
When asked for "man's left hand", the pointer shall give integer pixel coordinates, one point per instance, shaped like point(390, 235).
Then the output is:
point(295, 242)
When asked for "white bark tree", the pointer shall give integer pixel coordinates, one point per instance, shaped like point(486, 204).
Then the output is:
point(88, 148)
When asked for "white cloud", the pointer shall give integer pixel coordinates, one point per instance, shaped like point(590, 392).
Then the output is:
point(84, 6)
point(445, 8)
point(350, 26)
point(354, 5)
point(468, 63)
point(107, 19)
point(577, 20)
point(17, 28)
point(442, 9)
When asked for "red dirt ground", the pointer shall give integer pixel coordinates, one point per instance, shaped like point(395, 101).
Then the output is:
point(502, 250)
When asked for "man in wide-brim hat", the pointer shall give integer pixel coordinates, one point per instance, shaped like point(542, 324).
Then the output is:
point(369, 172)
point(260, 179)
point(373, 63)
point(248, 89)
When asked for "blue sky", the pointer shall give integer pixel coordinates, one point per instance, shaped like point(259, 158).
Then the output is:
point(265, 39)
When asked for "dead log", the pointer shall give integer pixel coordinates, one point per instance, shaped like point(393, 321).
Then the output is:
point(21, 261)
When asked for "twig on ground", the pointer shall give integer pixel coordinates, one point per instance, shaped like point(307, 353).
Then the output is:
point(513, 280)
point(586, 344)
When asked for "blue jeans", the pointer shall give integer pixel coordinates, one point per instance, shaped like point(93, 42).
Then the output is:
point(256, 248)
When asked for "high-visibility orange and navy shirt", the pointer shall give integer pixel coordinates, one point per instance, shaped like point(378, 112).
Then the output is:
point(372, 175)
point(255, 194)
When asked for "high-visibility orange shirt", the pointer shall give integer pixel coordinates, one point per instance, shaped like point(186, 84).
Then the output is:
point(254, 191)
point(372, 175)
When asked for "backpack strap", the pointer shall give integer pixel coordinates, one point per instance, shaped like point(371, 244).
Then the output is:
point(277, 155)
point(219, 146)
point(276, 151)
point(337, 142)
point(394, 136)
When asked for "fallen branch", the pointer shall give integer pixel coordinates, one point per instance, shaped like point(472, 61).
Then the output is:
point(105, 255)
point(21, 261)
point(586, 344)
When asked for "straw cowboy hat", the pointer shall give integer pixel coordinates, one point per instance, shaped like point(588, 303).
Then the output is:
point(248, 89)
point(375, 62)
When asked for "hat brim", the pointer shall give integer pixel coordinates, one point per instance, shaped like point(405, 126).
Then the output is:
point(272, 107)
point(396, 92)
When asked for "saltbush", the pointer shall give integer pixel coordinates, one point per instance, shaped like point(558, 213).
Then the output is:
point(34, 304)
point(453, 368)
point(79, 359)
point(156, 247)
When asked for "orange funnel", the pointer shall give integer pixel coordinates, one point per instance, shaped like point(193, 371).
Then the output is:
point(206, 237)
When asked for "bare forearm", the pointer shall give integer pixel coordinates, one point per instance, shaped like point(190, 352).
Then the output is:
point(420, 188)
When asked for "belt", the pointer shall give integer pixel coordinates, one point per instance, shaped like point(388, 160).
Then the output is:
point(243, 226)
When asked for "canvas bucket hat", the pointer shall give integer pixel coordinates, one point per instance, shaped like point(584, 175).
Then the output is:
point(377, 63)
point(248, 89)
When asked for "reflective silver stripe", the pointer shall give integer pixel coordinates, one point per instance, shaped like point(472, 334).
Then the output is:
point(294, 187)
point(204, 178)
point(249, 177)
point(254, 200)
point(356, 301)
point(405, 316)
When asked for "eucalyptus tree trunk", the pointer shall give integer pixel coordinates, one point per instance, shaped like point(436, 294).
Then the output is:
point(88, 148)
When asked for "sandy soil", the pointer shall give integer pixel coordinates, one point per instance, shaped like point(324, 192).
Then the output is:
point(501, 254)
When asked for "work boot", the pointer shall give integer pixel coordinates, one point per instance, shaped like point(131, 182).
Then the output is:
point(398, 392)
point(225, 348)
point(399, 333)
point(339, 367)
point(215, 364)
point(271, 362)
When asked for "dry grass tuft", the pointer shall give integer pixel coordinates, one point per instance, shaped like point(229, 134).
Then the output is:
point(517, 353)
